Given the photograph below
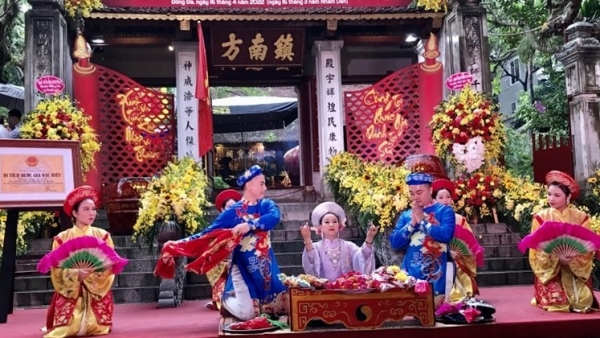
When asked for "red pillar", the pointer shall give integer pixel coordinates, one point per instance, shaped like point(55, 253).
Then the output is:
point(85, 93)
point(431, 82)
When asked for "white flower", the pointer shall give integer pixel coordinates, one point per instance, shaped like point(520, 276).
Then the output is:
point(471, 154)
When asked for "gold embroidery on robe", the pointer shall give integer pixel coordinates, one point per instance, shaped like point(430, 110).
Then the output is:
point(556, 287)
point(80, 307)
point(466, 269)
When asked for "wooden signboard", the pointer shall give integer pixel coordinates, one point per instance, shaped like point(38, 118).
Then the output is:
point(259, 47)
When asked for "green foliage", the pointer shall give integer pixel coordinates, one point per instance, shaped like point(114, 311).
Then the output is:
point(12, 41)
point(551, 96)
point(518, 154)
point(218, 183)
point(590, 9)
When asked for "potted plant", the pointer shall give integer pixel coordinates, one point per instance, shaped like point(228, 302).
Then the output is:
point(173, 204)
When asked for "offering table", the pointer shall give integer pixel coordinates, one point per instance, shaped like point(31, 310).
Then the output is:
point(357, 310)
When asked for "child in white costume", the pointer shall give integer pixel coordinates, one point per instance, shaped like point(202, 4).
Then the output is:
point(332, 257)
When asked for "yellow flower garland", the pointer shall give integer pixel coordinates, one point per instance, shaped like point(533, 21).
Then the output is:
point(84, 7)
point(58, 119)
point(433, 5)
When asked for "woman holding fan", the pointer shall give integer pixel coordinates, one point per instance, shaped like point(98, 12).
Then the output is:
point(465, 285)
point(562, 281)
point(82, 304)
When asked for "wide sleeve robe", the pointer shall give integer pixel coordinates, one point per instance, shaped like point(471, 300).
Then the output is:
point(80, 307)
point(556, 287)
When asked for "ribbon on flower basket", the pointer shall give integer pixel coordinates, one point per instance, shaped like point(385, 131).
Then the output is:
point(211, 249)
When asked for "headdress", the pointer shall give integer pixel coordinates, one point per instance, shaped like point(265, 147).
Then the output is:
point(419, 178)
point(328, 208)
point(226, 195)
point(562, 178)
point(251, 173)
point(78, 195)
point(440, 184)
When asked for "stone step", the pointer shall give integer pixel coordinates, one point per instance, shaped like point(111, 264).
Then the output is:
point(26, 268)
point(290, 270)
point(498, 239)
point(500, 278)
point(289, 258)
point(125, 279)
point(295, 235)
point(40, 298)
point(503, 251)
point(197, 291)
point(489, 228)
point(136, 253)
point(297, 246)
point(503, 264)
point(194, 279)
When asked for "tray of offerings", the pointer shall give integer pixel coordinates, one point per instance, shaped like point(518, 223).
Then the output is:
point(360, 308)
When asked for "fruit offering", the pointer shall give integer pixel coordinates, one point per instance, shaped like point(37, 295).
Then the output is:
point(389, 277)
point(352, 281)
point(303, 281)
point(252, 324)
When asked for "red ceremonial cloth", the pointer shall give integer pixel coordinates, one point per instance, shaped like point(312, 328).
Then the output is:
point(211, 249)
point(205, 124)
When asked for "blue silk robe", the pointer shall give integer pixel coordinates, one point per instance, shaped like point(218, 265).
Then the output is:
point(426, 244)
point(254, 256)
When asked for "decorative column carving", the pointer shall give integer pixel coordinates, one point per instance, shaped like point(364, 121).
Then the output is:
point(46, 47)
point(330, 103)
point(466, 43)
point(580, 56)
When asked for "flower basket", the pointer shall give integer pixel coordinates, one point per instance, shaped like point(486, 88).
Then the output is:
point(468, 130)
point(178, 194)
point(57, 118)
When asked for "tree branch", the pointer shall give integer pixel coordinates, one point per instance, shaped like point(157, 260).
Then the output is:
point(7, 8)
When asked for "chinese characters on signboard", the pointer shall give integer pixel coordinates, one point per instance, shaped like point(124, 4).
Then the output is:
point(187, 105)
point(257, 47)
point(330, 110)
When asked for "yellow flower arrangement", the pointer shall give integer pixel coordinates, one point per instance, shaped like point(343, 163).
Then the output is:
point(433, 5)
point(464, 116)
point(521, 198)
point(83, 7)
point(58, 119)
point(594, 182)
point(373, 191)
point(179, 194)
point(28, 227)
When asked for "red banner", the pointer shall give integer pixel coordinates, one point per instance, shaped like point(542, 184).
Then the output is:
point(255, 3)
point(203, 95)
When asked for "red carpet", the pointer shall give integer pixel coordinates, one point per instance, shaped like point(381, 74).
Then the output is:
point(191, 319)
point(515, 318)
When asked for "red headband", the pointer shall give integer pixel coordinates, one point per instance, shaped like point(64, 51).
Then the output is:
point(440, 184)
point(78, 195)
